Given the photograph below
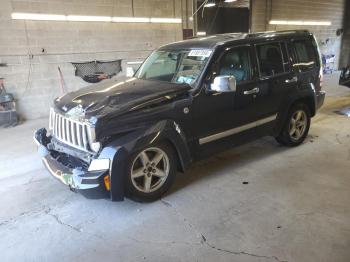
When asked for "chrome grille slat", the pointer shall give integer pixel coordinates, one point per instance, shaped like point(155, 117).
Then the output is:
point(84, 135)
point(59, 127)
point(56, 125)
point(66, 136)
point(63, 129)
point(57, 120)
point(68, 132)
point(79, 136)
point(71, 132)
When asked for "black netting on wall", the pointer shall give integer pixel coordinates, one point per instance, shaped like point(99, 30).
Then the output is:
point(96, 71)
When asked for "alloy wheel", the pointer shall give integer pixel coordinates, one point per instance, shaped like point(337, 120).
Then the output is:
point(297, 125)
point(150, 169)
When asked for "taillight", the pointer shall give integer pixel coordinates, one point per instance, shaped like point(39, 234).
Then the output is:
point(321, 77)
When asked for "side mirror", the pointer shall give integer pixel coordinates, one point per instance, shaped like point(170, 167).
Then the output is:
point(223, 84)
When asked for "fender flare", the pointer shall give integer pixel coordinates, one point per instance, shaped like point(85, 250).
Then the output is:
point(120, 149)
point(306, 95)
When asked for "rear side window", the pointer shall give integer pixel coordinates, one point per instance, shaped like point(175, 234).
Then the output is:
point(305, 54)
point(270, 59)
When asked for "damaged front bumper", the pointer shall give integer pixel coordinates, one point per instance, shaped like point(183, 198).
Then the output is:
point(76, 178)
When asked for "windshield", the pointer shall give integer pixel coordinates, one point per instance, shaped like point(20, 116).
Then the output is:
point(175, 66)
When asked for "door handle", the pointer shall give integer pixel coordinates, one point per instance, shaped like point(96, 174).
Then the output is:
point(251, 91)
point(292, 80)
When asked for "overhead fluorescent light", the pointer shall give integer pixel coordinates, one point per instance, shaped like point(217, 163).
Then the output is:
point(40, 17)
point(210, 3)
point(297, 22)
point(166, 20)
point(134, 63)
point(130, 19)
point(327, 23)
point(230, 1)
point(201, 33)
point(84, 18)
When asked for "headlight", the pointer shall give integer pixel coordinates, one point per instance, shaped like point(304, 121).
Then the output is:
point(99, 165)
point(95, 146)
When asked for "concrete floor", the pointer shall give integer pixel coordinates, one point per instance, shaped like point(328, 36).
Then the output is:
point(295, 206)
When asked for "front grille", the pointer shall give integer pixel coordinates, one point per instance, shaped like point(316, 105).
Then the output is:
point(71, 132)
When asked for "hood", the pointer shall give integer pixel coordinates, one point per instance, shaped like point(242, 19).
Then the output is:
point(111, 96)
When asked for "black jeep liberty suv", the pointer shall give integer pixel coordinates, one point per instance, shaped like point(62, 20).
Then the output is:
point(188, 100)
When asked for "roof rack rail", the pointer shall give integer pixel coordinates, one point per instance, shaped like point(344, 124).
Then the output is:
point(278, 32)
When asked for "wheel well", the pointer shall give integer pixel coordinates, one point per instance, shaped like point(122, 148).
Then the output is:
point(309, 102)
point(180, 165)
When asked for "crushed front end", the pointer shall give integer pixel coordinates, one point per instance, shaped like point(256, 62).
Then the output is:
point(71, 154)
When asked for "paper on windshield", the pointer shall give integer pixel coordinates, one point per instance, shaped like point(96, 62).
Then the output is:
point(200, 52)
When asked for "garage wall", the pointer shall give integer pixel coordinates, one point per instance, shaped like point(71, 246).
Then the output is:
point(33, 50)
point(320, 10)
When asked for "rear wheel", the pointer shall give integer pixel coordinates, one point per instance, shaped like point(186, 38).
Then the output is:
point(151, 172)
point(296, 127)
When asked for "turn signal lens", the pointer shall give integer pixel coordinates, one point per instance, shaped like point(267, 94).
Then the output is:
point(107, 182)
point(321, 77)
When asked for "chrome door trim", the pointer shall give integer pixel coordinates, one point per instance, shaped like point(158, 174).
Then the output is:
point(236, 130)
point(292, 80)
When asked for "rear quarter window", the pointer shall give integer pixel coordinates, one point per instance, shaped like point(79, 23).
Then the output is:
point(305, 54)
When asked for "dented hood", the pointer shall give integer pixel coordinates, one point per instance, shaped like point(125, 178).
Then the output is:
point(111, 96)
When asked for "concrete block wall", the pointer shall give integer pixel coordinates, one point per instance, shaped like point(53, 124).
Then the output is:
point(321, 10)
point(33, 50)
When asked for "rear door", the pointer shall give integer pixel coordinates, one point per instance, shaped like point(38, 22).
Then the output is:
point(276, 79)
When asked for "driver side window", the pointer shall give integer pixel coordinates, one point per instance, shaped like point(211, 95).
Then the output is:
point(235, 63)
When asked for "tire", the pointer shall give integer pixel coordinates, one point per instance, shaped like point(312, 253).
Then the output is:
point(296, 127)
point(151, 172)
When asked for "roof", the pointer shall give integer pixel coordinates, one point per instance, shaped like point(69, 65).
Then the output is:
point(210, 42)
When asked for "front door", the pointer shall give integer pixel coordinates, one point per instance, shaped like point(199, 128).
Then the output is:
point(220, 117)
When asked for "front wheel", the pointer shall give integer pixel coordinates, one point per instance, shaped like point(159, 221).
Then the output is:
point(296, 127)
point(151, 172)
